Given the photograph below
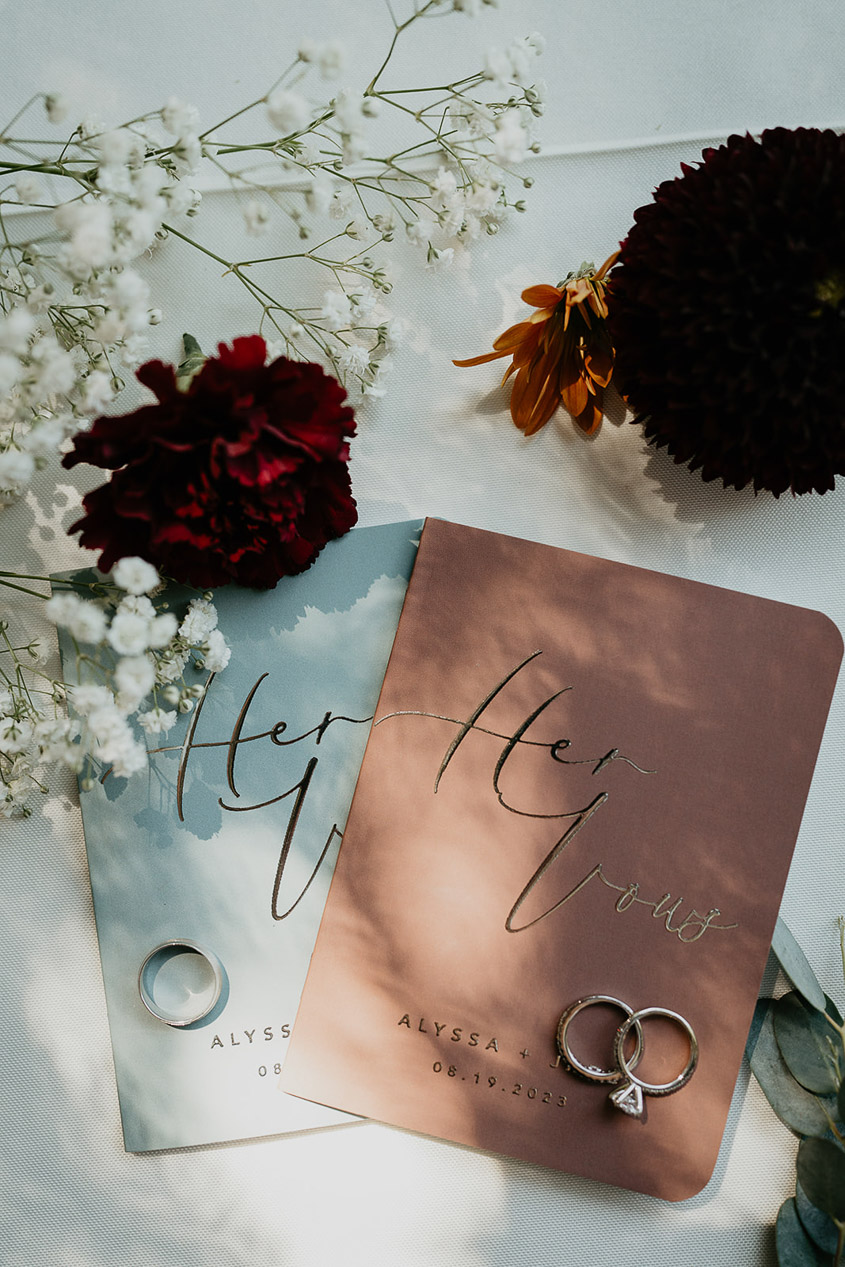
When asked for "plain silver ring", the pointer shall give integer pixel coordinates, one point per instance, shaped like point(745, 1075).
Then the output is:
point(592, 1072)
point(655, 1088)
point(170, 1018)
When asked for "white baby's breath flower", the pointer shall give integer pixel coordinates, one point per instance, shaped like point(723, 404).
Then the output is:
point(198, 622)
point(15, 734)
point(162, 630)
point(354, 359)
point(129, 634)
point(115, 146)
point(363, 305)
point(27, 187)
point(320, 193)
point(88, 622)
point(134, 677)
point(115, 744)
point(511, 139)
point(55, 368)
point(348, 110)
point(171, 666)
point(330, 59)
point(45, 437)
point(98, 392)
point(287, 111)
point(157, 720)
point(187, 153)
point(357, 228)
point(90, 697)
point(216, 652)
point(135, 576)
point(336, 311)
point(179, 118)
point(497, 67)
point(339, 206)
point(16, 469)
point(139, 605)
point(444, 186)
point(256, 216)
point(15, 331)
point(308, 51)
point(440, 260)
point(419, 231)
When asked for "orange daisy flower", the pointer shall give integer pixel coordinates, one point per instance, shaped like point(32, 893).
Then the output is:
point(562, 354)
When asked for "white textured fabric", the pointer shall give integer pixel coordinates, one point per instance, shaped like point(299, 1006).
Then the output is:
point(439, 443)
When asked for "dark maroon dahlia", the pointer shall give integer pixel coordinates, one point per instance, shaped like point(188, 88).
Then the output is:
point(241, 477)
point(727, 311)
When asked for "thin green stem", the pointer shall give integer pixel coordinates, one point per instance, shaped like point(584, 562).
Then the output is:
point(23, 589)
point(236, 115)
point(399, 27)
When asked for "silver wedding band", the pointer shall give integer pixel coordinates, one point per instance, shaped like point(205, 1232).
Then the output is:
point(180, 982)
point(627, 1067)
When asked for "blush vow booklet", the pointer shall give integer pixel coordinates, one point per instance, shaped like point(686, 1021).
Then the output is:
point(227, 844)
point(583, 779)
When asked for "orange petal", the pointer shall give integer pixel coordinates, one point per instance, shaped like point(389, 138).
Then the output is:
point(482, 360)
point(542, 296)
point(512, 336)
point(528, 349)
point(606, 266)
point(573, 389)
point(535, 395)
point(596, 302)
point(599, 364)
point(589, 419)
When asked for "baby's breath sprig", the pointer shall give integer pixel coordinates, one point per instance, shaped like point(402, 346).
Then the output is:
point(131, 668)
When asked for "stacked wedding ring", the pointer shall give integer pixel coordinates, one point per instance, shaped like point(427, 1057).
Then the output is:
point(594, 1073)
point(629, 1096)
point(629, 1089)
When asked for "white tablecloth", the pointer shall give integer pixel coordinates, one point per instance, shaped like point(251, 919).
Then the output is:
point(633, 91)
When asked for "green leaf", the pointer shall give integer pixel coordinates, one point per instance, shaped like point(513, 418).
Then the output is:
point(807, 1043)
point(191, 364)
point(832, 1010)
point(821, 1173)
point(798, 1109)
point(794, 1247)
point(794, 963)
point(819, 1226)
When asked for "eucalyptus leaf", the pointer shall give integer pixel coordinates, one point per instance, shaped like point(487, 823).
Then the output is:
point(807, 1043)
point(819, 1226)
point(798, 1109)
point(794, 963)
point(821, 1173)
point(794, 1247)
point(832, 1010)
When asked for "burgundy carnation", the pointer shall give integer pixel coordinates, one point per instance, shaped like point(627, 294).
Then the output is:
point(727, 311)
point(242, 477)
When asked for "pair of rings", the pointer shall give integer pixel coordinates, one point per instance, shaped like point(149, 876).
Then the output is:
point(629, 1089)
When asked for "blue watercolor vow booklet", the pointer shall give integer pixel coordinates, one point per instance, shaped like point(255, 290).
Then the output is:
point(227, 844)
